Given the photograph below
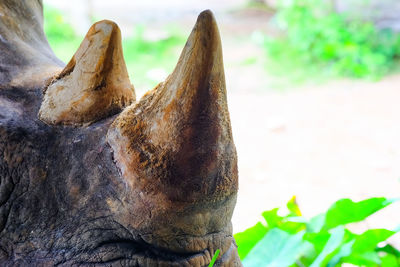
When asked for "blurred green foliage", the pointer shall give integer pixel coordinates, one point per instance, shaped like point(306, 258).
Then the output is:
point(315, 37)
point(292, 240)
point(60, 34)
point(147, 59)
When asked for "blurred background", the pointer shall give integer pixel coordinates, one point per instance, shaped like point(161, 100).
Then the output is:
point(313, 90)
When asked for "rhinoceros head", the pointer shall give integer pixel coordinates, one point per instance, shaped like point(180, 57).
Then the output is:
point(90, 176)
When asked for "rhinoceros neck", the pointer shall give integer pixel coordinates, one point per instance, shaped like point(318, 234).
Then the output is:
point(26, 58)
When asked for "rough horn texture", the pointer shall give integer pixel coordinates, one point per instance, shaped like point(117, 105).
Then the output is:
point(175, 146)
point(68, 198)
point(94, 84)
point(179, 135)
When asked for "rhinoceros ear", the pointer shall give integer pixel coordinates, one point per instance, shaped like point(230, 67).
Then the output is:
point(178, 140)
point(94, 84)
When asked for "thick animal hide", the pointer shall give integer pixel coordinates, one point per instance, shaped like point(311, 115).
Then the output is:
point(90, 176)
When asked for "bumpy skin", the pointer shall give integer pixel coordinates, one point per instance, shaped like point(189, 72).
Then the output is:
point(65, 198)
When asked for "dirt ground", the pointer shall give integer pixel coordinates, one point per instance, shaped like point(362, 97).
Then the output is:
point(320, 143)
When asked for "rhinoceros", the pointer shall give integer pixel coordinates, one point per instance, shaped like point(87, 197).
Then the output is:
point(91, 176)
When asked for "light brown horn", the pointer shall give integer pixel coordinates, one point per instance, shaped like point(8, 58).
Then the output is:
point(26, 59)
point(178, 139)
point(95, 83)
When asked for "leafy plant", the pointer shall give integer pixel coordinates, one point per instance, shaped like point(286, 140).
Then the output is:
point(315, 37)
point(292, 240)
point(214, 258)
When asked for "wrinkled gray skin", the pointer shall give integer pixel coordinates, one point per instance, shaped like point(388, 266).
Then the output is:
point(62, 198)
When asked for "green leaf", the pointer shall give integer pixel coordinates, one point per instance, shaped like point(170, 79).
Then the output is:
point(293, 241)
point(316, 223)
point(293, 207)
point(318, 239)
point(272, 218)
point(364, 248)
point(389, 249)
point(215, 257)
point(247, 239)
point(368, 240)
point(369, 258)
point(390, 260)
point(308, 255)
point(346, 211)
point(284, 223)
point(277, 248)
point(344, 251)
point(332, 246)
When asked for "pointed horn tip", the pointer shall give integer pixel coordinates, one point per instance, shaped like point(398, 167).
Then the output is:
point(206, 15)
point(206, 19)
point(206, 27)
point(105, 22)
point(106, 27)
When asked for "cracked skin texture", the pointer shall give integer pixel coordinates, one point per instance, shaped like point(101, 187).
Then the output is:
point(65, 199)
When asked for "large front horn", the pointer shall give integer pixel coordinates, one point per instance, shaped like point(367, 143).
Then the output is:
point(177, 140)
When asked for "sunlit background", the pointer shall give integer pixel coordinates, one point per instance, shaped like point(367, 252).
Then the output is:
point(313, 90)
